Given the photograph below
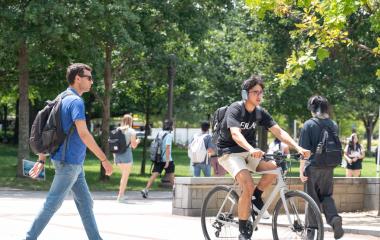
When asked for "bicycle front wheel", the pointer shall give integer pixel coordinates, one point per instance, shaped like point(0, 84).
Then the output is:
point(304, 220)
point(219, 214)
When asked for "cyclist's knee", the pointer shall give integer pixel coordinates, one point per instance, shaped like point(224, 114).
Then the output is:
point(245, 181)
point(249, 187)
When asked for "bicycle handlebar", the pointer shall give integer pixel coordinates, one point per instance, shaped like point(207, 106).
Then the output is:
point(281, 157)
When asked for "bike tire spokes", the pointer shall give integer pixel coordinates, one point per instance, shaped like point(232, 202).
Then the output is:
point(303, 221)
point(219, 214)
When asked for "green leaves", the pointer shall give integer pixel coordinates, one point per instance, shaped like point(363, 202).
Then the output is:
point(322, 54)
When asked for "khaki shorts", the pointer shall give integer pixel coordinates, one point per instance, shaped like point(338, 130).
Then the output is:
point(235, 162)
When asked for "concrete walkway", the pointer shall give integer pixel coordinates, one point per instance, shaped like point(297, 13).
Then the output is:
point(135, 219)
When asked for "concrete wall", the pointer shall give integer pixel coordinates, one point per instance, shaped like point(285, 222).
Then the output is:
point(181, 135)
point(350, 194)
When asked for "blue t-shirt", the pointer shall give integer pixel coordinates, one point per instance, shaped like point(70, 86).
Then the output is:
point(72, 110)
point(166, 141)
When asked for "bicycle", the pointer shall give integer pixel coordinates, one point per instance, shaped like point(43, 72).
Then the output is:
point(219, 210)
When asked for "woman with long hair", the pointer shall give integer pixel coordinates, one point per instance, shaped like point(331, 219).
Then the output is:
point(125, 160)
point(354, 155)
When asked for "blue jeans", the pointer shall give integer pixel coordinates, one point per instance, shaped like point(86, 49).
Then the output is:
point(206, 169)
point(67, 177)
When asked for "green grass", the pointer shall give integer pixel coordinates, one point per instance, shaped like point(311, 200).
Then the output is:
point(8, 160)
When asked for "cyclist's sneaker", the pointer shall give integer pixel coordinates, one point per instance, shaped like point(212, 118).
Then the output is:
point(144, 193)
point(257, 204)
point(243, 237)
point(336, 224)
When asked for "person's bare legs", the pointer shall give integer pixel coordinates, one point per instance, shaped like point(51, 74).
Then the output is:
point(356, 172)
point(125, 171)
point(266, 179)
point(171, 178)
point(349, 173)
point(245, 181)
point(151, 180)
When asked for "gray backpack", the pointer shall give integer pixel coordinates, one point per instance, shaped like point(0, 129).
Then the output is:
point(155, 148)
point(47, 133)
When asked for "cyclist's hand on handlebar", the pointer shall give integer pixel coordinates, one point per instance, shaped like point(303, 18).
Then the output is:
point(256, 153)
point(304, 153)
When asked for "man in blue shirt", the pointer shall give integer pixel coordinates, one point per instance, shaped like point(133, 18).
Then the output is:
point(69, 174)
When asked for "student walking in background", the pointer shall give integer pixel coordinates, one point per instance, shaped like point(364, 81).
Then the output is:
point(125, 160)
point(354, 155)
point(200, 150)
point(317, 173)
point(166, 162)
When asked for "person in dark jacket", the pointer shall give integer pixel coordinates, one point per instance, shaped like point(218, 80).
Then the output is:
point(318, 181)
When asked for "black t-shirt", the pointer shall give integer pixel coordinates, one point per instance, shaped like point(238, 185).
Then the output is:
point(310, 132)
point(238, 116)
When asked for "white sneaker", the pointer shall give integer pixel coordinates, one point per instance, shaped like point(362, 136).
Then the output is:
point(122, 199)
point(265, 215)
point(144, 193)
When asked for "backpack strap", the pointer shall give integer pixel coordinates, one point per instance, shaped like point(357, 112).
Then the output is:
point(258, 114)
point(163, 137)
point(320, 125)
point(71, 130)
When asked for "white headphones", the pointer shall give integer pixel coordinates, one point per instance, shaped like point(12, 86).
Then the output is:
point(244, 95)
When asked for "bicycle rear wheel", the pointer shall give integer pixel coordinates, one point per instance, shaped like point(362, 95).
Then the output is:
point(224, 225)
point(304, 220)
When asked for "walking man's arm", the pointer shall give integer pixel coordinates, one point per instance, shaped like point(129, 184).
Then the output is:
point(89, 141)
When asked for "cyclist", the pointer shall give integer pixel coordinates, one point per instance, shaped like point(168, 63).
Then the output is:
point(237, 150)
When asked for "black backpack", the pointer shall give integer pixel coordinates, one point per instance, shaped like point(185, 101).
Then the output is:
point(117, 142)
point(329, 149)
point(155, 148)
point(47, 133)
point(218, 118)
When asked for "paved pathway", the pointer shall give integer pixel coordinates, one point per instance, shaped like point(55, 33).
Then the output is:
point(137, 219)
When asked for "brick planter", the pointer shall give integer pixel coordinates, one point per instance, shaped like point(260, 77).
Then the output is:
point(350, 194)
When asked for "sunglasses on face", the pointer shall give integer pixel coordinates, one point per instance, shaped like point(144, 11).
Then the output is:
point(87, 76)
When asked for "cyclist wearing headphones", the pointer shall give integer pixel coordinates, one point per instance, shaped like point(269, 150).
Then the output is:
point(237, 150)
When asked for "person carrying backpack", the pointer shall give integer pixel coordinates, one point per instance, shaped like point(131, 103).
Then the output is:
point(124, 160)
point(68, 159)
point(165, 161)
point(238, 152)
point(317, 173)
point(200, 150)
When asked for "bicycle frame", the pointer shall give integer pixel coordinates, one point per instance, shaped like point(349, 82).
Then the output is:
point(280, 187)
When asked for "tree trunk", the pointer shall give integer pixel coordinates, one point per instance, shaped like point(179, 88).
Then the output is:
point(23, 108)
point(171, 77)
point(16, 129)
point(106, 108)
point(147, 129)
point(5, 124)
point(369, 123)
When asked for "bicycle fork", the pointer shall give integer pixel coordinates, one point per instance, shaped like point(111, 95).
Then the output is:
point(286, 208)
